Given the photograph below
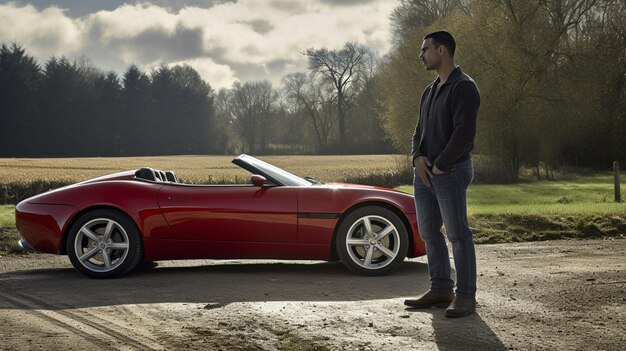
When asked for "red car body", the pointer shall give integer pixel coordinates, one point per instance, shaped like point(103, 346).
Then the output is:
point(182, 221)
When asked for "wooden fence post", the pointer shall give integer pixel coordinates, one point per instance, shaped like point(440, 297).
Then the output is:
point(618, 197)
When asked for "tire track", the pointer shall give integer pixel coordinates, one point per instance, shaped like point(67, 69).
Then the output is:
point(59, 321)
point(140, 333)
point(60, 313)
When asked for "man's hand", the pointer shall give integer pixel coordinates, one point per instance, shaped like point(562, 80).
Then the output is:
point(422, 169)
point(437, 170)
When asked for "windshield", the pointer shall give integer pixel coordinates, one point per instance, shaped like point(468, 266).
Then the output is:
point(274, 172)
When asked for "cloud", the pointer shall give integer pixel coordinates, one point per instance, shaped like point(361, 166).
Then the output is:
point(288, 6)
point(146, 46)
point(43, 33)
point(224, 40)
point(261, 26)
point(346, 2)
point(218, 76)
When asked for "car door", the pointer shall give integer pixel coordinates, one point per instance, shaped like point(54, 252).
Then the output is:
point(241, 213)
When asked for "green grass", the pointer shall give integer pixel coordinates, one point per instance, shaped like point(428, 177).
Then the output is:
point(8, 233)
point(7, 216)
point(504, 228)
point(584, 195)
point(582, 207)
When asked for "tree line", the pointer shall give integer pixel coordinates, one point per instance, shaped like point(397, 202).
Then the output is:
point(72, 108)
point(69, 108)
point(551, 74)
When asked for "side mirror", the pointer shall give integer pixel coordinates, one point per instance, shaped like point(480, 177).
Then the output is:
point(258, 180)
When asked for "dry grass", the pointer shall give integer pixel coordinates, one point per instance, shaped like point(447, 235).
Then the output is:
point(193, 169)
point(21, 178)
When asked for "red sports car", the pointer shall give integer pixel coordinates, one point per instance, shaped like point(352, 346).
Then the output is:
point(108, 224)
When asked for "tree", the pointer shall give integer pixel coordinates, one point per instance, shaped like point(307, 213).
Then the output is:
point(341, 69)
point(267, 97)
point(417, 14)
point(550, 73)
point(136, 112)
point(402, 80)
point(72, 108)
point(194, 110)
point(250, 107)
point(224, 134)
point(365, 125)
point(20, 78)
point(69, 104)
point(310, 100)
point(108, 91)
point(182, 110)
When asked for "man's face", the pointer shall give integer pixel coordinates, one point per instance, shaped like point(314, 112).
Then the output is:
point(430, 55)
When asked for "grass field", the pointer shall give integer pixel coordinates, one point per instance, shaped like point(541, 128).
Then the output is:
point(193, 169)
point(583, 195)
point(542, 210)
point(21, 178)
point(7, 216)
point(8, 233)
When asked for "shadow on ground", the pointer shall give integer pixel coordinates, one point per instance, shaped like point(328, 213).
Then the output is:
point(468, 333)
point(220, 284)
point(217, 284)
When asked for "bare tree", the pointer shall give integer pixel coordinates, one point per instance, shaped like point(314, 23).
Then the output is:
point(311, 99)
point(266, 98)
point(342, 69)
point(250, 106)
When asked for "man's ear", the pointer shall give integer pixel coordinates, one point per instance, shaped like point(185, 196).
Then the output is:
point(440, 50)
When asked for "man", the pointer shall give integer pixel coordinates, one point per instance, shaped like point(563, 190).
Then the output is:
point(442, 142)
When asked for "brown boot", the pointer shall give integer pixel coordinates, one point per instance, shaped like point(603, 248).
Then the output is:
point(432, 298)
point(461, 306)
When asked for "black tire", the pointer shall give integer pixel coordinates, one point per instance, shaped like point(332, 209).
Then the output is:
point(104, 256)
point(355, 255)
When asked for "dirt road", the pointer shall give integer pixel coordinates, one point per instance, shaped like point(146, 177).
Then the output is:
point(558, 295)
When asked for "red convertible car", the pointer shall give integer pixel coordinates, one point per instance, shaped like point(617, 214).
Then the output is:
point(108, 224)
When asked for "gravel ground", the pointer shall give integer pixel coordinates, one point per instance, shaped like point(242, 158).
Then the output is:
point(555, 295)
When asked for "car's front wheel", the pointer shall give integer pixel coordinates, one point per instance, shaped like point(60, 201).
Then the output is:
point(371, 241)
point(104, 244)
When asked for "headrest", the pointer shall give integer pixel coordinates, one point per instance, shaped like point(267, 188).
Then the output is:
point(146, 173)
point(171, 176)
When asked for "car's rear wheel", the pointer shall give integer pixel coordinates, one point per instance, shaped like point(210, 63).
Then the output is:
point(371, 241)
point(104, 244)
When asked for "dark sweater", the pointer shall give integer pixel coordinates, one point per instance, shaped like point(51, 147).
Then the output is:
point(447, 124)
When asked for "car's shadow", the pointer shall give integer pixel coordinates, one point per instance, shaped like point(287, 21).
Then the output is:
point(215, 283)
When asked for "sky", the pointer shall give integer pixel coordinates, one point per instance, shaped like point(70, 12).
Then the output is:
point(224, 40)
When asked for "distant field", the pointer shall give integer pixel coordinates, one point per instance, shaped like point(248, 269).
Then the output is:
point(194, 169)
point(582, 195)
point(579, 208)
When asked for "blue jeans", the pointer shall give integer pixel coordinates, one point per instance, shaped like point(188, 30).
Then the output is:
point(445, 202)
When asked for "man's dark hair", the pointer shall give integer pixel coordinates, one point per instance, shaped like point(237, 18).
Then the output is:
point(443, 38)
